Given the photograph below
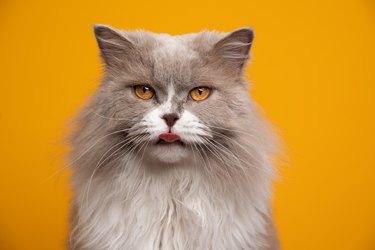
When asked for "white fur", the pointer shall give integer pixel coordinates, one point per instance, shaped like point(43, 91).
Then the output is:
point(188, 126)
point(154, 123)
point(153, 120)
point(168, 104)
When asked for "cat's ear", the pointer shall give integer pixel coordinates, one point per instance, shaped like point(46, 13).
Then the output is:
point(235, 47)
point(115, 48)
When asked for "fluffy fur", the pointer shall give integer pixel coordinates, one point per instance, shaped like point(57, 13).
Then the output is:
point(211, 191)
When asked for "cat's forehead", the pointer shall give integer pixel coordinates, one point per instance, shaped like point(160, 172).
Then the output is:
point(175, 59)
point(170, 51)
point(198, 42)
point(174, 48)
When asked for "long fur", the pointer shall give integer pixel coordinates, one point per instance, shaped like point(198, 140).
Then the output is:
point(212, 194)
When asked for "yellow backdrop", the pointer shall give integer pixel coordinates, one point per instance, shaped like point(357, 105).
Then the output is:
point(313, 71)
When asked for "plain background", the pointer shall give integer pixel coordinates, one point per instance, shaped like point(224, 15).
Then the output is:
point(313, 72)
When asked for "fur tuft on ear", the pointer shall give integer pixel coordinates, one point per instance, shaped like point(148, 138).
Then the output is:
point(114, 46)
point(234, 48)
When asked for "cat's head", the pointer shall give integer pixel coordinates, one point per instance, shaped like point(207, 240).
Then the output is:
point(174, 94)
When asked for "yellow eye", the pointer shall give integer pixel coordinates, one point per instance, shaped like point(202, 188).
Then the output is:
point(144, 92)
point(200, 93)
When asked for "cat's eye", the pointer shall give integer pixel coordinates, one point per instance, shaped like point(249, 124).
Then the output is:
point(144, 92)
point(200, 93)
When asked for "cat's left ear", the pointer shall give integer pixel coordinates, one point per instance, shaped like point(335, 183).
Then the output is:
point(116, 50)
point(235, 47)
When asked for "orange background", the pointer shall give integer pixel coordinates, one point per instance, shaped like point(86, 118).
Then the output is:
point(313, 71)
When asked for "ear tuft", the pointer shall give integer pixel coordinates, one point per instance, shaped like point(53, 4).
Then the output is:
point(235, 47)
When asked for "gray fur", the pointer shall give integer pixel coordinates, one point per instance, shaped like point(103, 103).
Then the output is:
point(129, 192)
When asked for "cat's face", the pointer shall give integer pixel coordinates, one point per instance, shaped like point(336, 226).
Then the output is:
point(174, 94)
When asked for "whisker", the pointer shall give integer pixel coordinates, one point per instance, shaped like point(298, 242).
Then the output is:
point(83, 153)
point(138, 164)
point(109, 118)
point(246, 163)
point(222, 149)
point(232, 140)
point(102, 159)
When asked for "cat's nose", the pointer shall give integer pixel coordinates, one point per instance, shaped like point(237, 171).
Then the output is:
point(170, 119)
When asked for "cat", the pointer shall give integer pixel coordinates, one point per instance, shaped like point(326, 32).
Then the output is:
point(171, 152)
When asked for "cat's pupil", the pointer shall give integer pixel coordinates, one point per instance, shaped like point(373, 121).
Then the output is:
point(145, 89)
point(200, 90)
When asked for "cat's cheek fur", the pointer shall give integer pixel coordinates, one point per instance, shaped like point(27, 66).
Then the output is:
point(155, 125)
point(191, 129)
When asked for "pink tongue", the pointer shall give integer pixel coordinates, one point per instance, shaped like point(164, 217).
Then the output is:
point(169, 137)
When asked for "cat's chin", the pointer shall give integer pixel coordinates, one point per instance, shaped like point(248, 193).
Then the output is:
point(168, 153)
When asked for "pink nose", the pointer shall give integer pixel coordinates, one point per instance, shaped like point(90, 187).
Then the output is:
point(169, 137)
point(170, 119)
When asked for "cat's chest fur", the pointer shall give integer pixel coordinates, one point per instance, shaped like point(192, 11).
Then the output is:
point(176, 211)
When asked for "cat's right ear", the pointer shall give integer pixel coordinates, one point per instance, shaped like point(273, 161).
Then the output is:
point(115, 48)
point(233, 49)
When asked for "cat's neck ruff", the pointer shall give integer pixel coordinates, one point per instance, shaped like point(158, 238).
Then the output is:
point(143, 209)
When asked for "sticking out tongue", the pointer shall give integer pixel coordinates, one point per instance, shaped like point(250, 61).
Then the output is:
point(169, 137)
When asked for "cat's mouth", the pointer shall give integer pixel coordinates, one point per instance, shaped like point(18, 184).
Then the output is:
point(170, 139)
point(161, 142)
